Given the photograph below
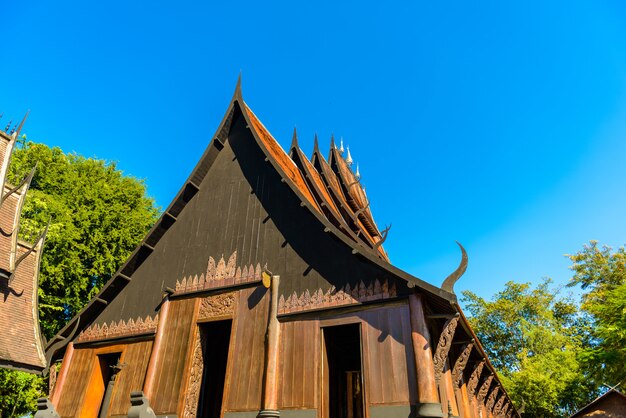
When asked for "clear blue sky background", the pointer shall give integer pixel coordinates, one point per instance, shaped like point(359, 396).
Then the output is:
point(499, 125)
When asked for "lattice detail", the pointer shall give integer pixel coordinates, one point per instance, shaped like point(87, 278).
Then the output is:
point(119, 329)
point(221, 274)
point(461, 362)
point(217, 306)
point(333, 297)
point(472, 384)
point(443, 347)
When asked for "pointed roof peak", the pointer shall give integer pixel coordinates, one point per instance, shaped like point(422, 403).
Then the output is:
point(19, 128)
point(294, 138)
point(316, 145)
point(238, 95)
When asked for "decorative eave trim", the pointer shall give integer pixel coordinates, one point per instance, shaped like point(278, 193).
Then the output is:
point(334, 298)
point(120, 329)
point(221, 275)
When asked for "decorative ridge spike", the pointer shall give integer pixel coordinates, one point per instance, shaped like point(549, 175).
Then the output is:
point(238, 94)
point(349, 157)
point(316, 145)
point(357, 174)
point(19, 128)
point(8, 125)
point(341, 145)
point(294, 139)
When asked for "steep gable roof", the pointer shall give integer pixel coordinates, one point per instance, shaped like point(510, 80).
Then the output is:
point(290, 173)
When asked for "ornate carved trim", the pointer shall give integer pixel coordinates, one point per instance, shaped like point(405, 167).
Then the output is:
point(224, 273)
point(461, 363)
point(505, 408)
point(498, 408)
point(484, 388)
point(217, 306)
point(492, 399)
point(194, 384)
point(119, 329)
point(443, 347)
point(509, 414)
point(472, 384)
point(333, 297)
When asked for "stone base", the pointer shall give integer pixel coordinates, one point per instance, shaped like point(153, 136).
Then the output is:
point(268, 413)
point(430, 410)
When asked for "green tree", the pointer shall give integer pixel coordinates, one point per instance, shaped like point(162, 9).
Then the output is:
point(601, 273)
point(97, 216)
point(532, 337)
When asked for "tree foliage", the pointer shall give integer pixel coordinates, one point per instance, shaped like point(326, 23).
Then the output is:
point(532, 337)
point(97, 216)
point(601, 273)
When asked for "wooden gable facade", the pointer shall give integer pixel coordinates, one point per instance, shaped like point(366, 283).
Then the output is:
point(21, 342)
point(264, 290)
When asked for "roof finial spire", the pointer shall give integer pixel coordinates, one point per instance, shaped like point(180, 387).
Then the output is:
point(332, 142)
point(19, 128)
point(8, 126)
point(238, 94)
point(349, 157)
point(316, 145)
point(341, 145)
point(357, 174)
point(294, 139)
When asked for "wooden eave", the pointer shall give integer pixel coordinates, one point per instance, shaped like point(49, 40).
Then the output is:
point(354, 193)
point(320, 192)
point(366, 253)
point(333, 186)
point(290, 175)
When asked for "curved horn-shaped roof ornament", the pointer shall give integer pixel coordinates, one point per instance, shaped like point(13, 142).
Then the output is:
point(448, 283)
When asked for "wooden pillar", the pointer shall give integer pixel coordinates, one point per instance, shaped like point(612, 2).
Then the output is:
point(148, 386)
point(269, 407)
point(449, 389)
point(429, 404)
point(466, 408)
point(65, 367)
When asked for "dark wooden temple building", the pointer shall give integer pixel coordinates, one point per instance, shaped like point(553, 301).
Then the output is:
point(264, 290)
point(21, 342)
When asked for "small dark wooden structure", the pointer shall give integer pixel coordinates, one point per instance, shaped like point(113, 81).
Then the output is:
point(264, 290)
point(610, 405)
point(21, 341)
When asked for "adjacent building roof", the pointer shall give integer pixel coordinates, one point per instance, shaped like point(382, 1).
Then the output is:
point(21, 342)
point(612, 404)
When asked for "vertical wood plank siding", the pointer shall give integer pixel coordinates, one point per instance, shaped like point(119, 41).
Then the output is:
point(74, 389)
point(172, 366)
point(135, 360)
point(244, 386)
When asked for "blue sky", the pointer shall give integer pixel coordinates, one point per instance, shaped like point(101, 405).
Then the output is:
point(499, 125)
